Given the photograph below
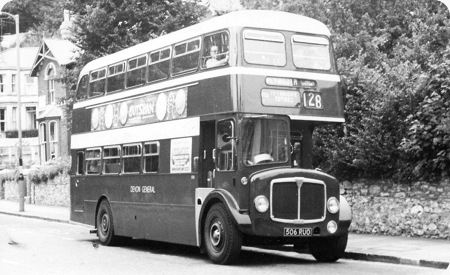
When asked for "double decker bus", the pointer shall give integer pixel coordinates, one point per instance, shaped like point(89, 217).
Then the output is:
point(203, 137)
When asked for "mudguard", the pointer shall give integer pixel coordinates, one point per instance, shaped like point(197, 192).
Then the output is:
point(345, 212)
point(206, 197)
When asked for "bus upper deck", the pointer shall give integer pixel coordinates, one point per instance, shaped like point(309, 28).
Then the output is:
point(285, 66)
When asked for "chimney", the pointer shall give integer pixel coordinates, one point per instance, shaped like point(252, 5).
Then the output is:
point(66, 26)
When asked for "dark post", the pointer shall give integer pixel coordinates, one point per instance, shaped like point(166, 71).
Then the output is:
point(22, 192)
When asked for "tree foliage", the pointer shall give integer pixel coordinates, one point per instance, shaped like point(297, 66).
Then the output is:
point(393, 56)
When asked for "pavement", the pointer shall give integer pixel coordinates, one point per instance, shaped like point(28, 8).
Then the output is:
point(422, 252)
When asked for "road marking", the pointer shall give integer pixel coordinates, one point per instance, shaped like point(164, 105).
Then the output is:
point(68, 239)
point(10, 262)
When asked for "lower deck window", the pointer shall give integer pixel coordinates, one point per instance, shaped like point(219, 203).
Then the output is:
point(132, 158)
point(111, 160)
point(151, 157)
point(93, 161)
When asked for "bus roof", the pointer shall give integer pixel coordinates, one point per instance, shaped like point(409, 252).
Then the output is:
point(264, 19)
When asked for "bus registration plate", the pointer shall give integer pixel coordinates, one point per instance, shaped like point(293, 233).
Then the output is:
point(290, 231)
point(312, 100)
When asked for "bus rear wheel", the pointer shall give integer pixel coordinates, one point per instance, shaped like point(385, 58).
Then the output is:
point(105, 225)
point(328, 249)
point(222, 239)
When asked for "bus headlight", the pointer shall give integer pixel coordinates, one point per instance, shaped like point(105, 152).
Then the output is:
point(333, 205)
point(261, 204)
point(332, 227)
point(244, 180)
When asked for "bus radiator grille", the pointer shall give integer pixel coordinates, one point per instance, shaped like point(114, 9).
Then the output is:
point(289, 202)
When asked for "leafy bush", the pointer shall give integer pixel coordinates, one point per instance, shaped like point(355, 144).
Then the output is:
point(427, 143)
point(50, 170)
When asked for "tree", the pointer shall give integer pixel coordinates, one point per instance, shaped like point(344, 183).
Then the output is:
point(391, 54)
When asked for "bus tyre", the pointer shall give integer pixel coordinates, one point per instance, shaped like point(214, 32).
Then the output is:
point(105, 225)
point(222, 239)
point(328, 249)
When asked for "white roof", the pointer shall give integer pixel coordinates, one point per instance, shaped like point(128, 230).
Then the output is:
point(8, 58)
point(62, 51)
point(275, 20)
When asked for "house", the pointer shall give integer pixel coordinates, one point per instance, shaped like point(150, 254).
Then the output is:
point(9, 112)
point(53, 57)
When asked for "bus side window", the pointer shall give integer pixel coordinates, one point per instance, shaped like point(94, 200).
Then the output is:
point(132, 158)
point(93, 161)
point(97, 83)
point(216, 50)
point(186, 55)
point(159, 65)
point(80, 163)
point(116, 78)
point(82, 89)
point(136, 71)
point(225, 145)
point(111, 160)
point(151, 157)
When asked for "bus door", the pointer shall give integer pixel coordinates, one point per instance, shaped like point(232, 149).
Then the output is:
point(207, 145)
point(77, 189)
point(225, 153)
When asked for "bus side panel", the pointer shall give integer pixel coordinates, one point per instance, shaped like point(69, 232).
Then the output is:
point(76, 199)
point(83, 120)
point(180, 208)
point(210, 96)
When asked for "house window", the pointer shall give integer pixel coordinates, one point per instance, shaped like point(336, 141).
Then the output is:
point(1, 83)
point(50, 74)
point(13, 83)
point(31, 117)
point(43, 141)
point(49, 140)
point(14, 118)
point(2, 120)
point(53, 139)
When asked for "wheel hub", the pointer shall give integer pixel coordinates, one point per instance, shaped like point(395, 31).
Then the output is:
point(215, 233)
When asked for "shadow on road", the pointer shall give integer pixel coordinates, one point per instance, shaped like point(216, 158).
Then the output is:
point(249, 256)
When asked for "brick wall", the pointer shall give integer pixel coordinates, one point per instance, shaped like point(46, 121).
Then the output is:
point(54, 192)
point(383, 207)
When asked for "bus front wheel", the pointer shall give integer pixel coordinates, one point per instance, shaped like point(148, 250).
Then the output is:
point(105, 225)
point(222, 239)
point(328, 249)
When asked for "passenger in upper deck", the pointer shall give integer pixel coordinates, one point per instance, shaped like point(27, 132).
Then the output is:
point(214, 61)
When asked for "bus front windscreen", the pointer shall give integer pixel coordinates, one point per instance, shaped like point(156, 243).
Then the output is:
point(311, 52)
point(264, 48)
point(264, 141)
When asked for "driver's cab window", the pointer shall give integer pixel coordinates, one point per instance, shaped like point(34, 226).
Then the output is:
point(226, 143)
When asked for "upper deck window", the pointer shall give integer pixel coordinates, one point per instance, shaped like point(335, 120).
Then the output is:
point(159, 65)
point(116, 77)
point(186, 56)
point(311, 52)
point(136, 71)
point(82, 89)
point(97, 83)
point(264, 48)
point(216, 50)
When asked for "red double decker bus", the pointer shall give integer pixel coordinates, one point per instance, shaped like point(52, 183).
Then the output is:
point(203, 137)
